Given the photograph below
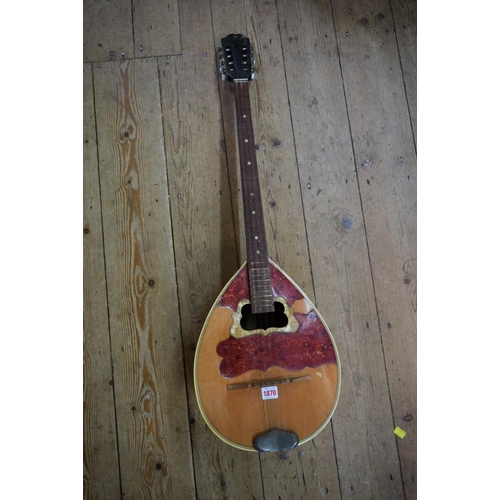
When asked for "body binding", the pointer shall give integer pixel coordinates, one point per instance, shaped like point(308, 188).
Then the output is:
point(230, 373)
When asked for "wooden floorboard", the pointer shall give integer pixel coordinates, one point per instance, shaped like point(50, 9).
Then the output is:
point(385, 158)
point(107, 30)
point(156, 28)
point(405, 25)
point(101, 470)
point(339, 255)
point(150, 392)
point(310, 471)
point(203, 228)
point(123, 29)
point(334, 108)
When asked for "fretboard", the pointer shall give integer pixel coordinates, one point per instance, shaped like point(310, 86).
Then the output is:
point(261, 296)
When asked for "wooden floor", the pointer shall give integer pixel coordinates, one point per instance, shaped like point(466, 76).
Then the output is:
point(334, 104)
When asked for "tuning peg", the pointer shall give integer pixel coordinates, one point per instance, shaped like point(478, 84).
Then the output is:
point(252, 59)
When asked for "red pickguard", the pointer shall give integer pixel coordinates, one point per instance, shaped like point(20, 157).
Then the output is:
point(310, 346)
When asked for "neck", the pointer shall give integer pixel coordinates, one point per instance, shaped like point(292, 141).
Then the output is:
point(261, 296)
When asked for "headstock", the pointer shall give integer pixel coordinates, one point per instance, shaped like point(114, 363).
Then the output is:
point(236, 58)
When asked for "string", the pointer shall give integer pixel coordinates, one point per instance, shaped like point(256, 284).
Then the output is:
point(258, 264)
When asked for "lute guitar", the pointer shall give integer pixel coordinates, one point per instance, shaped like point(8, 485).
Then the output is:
point(266, 369)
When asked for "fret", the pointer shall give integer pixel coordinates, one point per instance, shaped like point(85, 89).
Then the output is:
point(261, 296)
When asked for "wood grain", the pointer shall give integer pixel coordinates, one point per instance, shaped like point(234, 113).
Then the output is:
point(336, 139)
point(240, 415)
point(339, 254)
point(156, 28)
point(107, 30)
point(309, 471)
point(405, 24)
point(153, 427)
point(385, 160)
point(203, 230)
point(283, 215)
point(100, 455)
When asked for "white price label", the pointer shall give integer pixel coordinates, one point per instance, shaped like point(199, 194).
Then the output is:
point(269, 392)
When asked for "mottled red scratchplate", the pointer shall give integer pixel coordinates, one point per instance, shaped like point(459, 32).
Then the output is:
point(310, 346)
point(239, 289)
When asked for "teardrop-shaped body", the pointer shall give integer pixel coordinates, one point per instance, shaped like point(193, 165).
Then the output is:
point(248, 383)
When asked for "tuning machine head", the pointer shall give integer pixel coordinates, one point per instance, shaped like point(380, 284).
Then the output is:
point(222, 64)
point(252, 62)
point(236, 61)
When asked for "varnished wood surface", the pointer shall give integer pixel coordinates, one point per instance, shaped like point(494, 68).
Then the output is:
point(335, 128)
point(237, 416)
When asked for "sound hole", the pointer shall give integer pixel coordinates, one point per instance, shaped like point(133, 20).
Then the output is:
point(276, 319)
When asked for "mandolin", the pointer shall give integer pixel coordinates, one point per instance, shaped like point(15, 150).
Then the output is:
point(266, 368)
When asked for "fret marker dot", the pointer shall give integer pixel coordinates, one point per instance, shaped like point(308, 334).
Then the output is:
point(258, 251)
point(256, 237)
point(244, 116)
point(253, 212)
point(251, 194)
point(246, 140)
point(249, 163)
